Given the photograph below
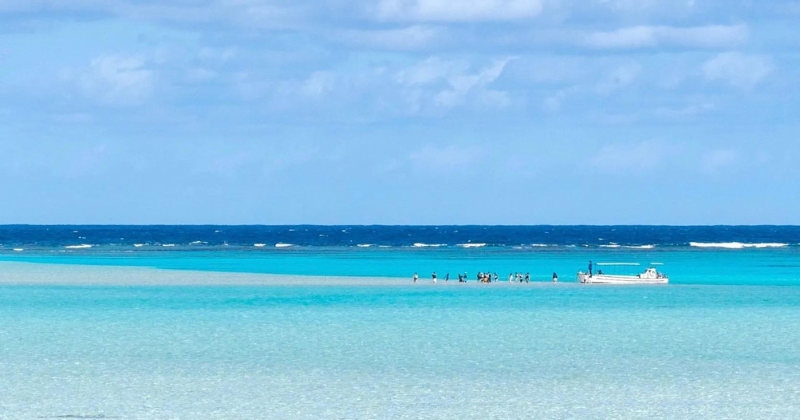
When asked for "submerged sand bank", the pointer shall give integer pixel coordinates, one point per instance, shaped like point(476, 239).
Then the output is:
point(24, 273)
point(20, 273)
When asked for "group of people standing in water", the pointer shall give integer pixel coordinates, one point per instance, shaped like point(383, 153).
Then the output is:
point(487, 277)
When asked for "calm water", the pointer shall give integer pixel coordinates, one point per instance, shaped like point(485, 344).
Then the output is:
point(720, 342)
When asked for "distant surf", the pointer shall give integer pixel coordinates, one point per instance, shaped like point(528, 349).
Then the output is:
point(83, 246)
point(736, 245)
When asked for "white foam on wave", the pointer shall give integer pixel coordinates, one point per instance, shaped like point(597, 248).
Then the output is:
point(259, 245)
point(472, 245)
point(421, 245)
point(609, 246)
point(736, 245)
point(640, 246)
point(139, 245)
point(539, 245)
point(364, 245)
point(283, 245)
point(18, 249)
point(82, 246)
point(168, 245)
point(197, 242)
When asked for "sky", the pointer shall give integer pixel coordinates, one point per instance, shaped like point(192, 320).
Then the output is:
point(400, 111)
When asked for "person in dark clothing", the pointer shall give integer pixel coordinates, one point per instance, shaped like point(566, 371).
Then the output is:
point(447, 277)
point(590, 269)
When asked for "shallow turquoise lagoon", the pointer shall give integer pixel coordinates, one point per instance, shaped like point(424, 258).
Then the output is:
point(684, 265)
point(460, 352)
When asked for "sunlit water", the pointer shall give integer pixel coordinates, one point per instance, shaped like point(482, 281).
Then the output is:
point(720, 342)
point(400, 352)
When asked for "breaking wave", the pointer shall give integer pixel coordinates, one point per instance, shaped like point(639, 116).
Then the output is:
point(472, 245)
point(736, 245)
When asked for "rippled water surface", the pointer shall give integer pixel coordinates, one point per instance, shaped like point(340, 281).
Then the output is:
point(461, 352)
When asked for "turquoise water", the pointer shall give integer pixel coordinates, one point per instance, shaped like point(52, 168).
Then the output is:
point(460, 352)
point(720, 342)
point(684, 265)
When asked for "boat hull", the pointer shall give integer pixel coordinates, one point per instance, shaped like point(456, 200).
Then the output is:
point(611, 279)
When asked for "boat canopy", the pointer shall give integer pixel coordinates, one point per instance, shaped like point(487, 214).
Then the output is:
point(606, 264)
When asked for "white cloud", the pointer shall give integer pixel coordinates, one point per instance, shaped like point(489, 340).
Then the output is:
point(654, 36)
point(641, 6)
point(452, 82)
point(740, 70)
point(458, 10)
point(554, 102)
point(117, 80)
point(318, 84)
point(253, 13)
point(685, 112)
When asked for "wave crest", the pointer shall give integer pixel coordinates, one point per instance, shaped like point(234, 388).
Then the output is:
point(736, 245)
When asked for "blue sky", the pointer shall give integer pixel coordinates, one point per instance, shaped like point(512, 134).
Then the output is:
point(400, 111)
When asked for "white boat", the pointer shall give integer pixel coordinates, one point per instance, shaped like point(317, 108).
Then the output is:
point(649, 276)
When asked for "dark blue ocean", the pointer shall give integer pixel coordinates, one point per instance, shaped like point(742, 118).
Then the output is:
point(43, 237)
